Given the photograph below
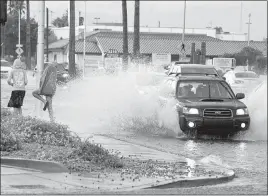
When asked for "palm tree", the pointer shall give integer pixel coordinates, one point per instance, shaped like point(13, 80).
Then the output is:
point(28, 37)
point(125, 34)
point(72, 70)
point(16, 6)
point(136, 42)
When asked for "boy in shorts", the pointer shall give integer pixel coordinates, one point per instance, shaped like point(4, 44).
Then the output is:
point(17, 78)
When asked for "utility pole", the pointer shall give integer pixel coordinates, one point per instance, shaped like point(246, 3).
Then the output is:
point(248, 23)
point(84, 54)
point(47, 34)
point(40, 51)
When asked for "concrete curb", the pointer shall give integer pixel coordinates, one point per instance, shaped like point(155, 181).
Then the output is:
point(195, 182)
point(227, 175)
point(44, 166)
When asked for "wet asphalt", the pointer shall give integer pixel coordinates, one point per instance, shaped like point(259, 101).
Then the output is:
point(246, 157)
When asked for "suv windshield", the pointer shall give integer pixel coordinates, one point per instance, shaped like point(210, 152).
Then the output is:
point(204, 89)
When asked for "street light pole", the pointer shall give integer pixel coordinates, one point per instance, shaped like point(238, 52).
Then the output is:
point(84, 55)
point(249, 23)
point(19, 28)
point(241, 14)
point(40, 51)
point(184, 18)
point(184, 22)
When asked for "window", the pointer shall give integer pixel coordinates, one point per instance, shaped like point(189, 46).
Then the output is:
point(5, 64)
point(199, 70)
point(55, 58)
point(204, 89)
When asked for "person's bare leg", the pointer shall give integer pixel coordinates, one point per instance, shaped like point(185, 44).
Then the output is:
point(20, 111)
point(50, 109)
point(37, 95)
point(15, 111)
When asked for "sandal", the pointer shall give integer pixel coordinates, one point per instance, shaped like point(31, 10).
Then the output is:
point(46, 105)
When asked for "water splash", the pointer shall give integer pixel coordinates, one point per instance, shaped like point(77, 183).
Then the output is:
point(113, 104)
point(257, 106)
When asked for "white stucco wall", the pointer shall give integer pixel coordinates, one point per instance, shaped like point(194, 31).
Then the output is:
point(60, 57)
point(232, 37)
point(64, 32)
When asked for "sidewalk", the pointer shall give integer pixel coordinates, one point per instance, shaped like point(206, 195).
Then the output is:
point(18, 179)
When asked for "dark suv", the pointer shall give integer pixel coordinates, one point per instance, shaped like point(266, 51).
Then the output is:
point(207, 105)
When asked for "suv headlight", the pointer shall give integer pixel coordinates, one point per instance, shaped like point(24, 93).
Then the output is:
point(242, 111)
point(190, 110)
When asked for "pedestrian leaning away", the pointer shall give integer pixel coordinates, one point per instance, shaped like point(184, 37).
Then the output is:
point(47, 88)
point(17, 78)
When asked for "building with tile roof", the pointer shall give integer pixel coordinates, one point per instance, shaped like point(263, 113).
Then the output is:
point(98, 43)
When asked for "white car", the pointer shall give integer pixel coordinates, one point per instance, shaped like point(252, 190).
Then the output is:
point(242, 81)
point(6, 67)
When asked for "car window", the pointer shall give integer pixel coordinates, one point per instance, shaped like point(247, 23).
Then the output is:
point(60, 67)
point(5, 64)
point(204, 89)
point(199, 70)
point(245, 75)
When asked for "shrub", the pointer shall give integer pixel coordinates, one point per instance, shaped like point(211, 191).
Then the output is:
point(96, 154)
point(38, 139)
point(9, 140)
point(34, 130)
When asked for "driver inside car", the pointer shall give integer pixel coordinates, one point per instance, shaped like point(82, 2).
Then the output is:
point(187, 92)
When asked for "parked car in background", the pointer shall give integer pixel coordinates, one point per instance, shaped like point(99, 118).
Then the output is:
point(242, 81)
point(62, 72)
point(5, 68)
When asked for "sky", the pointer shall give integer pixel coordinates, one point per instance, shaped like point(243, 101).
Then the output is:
point(199, 14)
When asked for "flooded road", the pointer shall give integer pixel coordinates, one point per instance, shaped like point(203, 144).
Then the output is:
point(112, 106)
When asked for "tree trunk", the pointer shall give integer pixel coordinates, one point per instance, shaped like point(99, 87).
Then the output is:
point(28, 38)
point(136, 43)
point(125, 35)
point(72, 39)
point(3, 37)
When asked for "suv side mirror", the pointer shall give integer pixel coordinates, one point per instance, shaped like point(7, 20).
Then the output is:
point(240, 96)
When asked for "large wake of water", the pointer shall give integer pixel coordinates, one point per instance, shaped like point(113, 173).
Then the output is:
point(114, 104)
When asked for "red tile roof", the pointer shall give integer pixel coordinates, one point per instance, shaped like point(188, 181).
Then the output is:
point(91, 47)
point(159, 43)
point(59, 44)
point(171, 42)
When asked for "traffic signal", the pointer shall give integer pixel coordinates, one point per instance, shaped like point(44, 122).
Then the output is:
point(3, 12)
